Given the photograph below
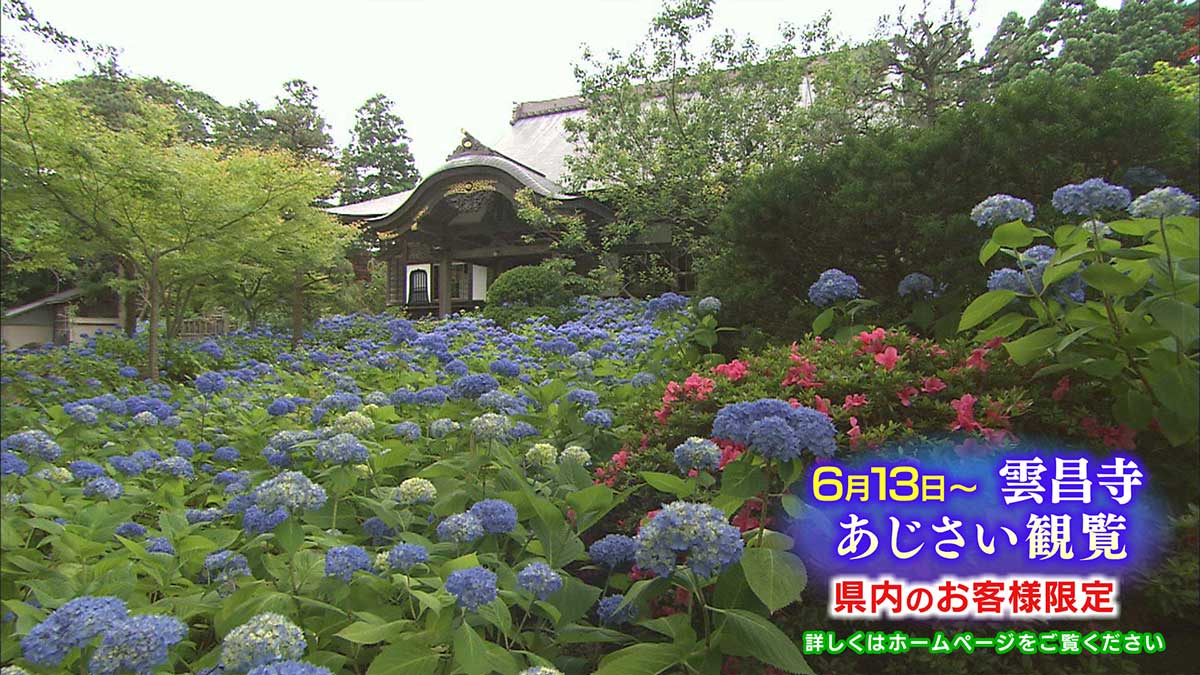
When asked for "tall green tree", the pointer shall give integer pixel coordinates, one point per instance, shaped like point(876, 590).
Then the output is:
point(896, 201)
point(1081, 38)
point(169, 210)
point(378, 160)
point(674, 125)
point(294, 123)
point(933, 62)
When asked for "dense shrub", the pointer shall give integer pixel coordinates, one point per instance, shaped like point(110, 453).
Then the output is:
point(526, 291)
point(892, 202)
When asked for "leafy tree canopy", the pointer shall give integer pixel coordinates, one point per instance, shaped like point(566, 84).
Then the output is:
point(378, 161)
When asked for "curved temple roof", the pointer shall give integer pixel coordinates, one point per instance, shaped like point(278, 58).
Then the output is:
point(533, 153)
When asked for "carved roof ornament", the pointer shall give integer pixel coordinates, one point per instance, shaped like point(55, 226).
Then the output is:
point(469, 145)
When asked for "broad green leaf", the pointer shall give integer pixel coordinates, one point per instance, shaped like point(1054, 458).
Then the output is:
point(776, 577)
point(1004, 326)
point(823, 321)
point(1137, 227)
point(990, 249)
point(1182, 319)
point(1029, 348)
point(1013, 235)
point(641, 659)
point(290, 535)
point(363, 633)
point(470, 651)
point(759, 637)
point(665, 482)
point(1059, 271)
point(1106, 278)
point(983, 307)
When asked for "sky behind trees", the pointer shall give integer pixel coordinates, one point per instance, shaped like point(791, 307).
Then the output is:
point(447, 65)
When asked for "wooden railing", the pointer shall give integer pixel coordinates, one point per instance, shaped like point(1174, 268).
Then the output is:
point(206, 326)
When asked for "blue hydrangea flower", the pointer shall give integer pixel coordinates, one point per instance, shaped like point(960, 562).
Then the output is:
point(806, 429)
point(257, 520)
point(831, 287)
point(377, 530)
point(521, 430)
point(343, 561)
point(194, 516)
point(580, 360)
point(177, 467)
point(460, 528)
point(440, 428)
point(223, 566)
point(698, 531)
point(504, 368)
point(1090, 197)
point(84, 414)
point(1001, 209)
point(71, 626)
point(262, 640)
point(599, 418)
point(495, 515)
point(610, 612)
point(210, 383)
point(406, 556)
point(472, 387)
point(407, 430)
point(12, 465)
point(472, 587)
point(281, 406)
point(585, 397)
point(541, 670)
point(1164, 202)
point(708, 305)
point(34, 442)
point(1009, 279)
point(159, 545)
point(917, 285)
point(342, 449)
point(457, 367)
point(105, 487)
point(613, 550)
point(127, 371)
point(643, 379)
point(184, 448)
point(226, 454)
point(138, 644)
point(697, 453)
point(131, 531)
point(538, 578)
point(291, 490)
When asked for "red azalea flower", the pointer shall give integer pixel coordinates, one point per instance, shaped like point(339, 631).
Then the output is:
point(732, 371)
point(1061, 389)
point(698, 387)
point(872, 343)
point(932, 385)
point(994, 342)
point(729, 452)
point(821, 404)
point(854, 401)
point(936, 350)
point(906, 394)
point(964, 407)
point(854, 433)
point(887, 358)
point(978, 359)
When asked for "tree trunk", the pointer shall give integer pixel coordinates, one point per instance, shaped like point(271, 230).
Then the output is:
point(155, 301)
point(297, 310)
point(129, 299)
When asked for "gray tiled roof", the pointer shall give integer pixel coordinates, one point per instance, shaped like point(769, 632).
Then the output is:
point(534, 152)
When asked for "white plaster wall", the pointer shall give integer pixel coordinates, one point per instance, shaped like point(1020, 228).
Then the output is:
point(15, 335)
point(479, 282)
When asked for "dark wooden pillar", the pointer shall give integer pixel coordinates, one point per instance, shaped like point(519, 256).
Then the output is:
point(444, 293)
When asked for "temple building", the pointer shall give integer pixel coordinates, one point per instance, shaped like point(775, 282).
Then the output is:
point(448, 239)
